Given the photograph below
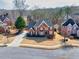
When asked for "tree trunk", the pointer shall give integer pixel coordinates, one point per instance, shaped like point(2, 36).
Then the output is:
point(67, 16)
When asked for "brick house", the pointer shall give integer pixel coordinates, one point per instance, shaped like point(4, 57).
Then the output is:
point(69, 27)
point(41, 28)
point(4, 21)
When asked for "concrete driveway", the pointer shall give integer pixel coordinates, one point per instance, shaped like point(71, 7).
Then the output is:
point(16, 42)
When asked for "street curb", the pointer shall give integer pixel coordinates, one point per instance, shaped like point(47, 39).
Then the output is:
point(3, 45)
point(41, 47)
point(48, 47)
point(74, 45)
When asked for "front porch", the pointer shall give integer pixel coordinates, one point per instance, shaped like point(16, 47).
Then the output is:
point(41, 33)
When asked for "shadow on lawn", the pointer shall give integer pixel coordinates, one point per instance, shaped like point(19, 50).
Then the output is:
point(37, 39)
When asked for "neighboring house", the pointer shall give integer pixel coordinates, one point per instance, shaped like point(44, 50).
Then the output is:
point(4, 22)
point(41, 28)
point(70, 26)
point(75, 27)
point(78, 33)
point(2, 30)
point(7, 21)
point(4, 18)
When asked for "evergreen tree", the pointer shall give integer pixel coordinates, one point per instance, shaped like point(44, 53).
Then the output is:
point(20, 23)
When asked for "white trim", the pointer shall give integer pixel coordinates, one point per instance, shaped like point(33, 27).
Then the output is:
point(6, 19)
point(42, 23)
point(51, 28)
point(31, 31)
point(75, 25)
point(31, 28)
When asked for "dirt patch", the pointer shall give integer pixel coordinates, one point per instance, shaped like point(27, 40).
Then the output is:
point(4, 39)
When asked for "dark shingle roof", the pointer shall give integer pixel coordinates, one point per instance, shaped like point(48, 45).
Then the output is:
point(31, 24)
point(3, 17)
point(47, 21)
point(69, 21)
point(37, 23)
point(77, 24)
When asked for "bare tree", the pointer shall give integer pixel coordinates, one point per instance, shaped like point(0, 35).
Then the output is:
point(67, 11)
point(20, 5)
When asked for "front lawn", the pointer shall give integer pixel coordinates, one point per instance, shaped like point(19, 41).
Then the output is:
point(4, 39)
point(43, 41)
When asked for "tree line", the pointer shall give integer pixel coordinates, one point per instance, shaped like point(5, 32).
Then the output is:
point(56, 15)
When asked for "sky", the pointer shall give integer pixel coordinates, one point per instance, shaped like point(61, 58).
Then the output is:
point(8, 4)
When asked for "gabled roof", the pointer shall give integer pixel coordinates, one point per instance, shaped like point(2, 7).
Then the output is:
point(31, 24)
point(69, 21)
point(3, 17)
point(2, 24)
point(77, 24)
point(39, 22)
point(6, 19)
point(46, 21)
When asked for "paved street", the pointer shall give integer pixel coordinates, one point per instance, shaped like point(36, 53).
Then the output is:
point(30, 53)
